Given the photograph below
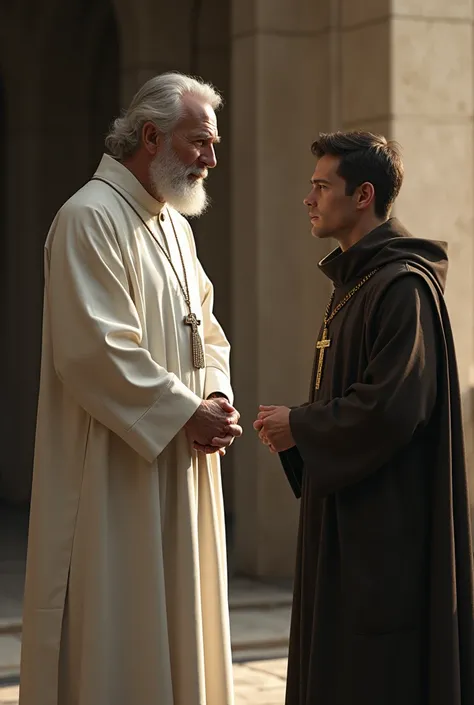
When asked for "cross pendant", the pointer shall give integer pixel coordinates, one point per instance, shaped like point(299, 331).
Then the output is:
point(196, 343)
point(192, 320)
point(321, 345)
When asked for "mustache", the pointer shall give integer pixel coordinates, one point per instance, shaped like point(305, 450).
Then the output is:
point(194, 171)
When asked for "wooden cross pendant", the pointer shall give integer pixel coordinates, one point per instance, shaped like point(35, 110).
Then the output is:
point(321, 345)
point(196, 343)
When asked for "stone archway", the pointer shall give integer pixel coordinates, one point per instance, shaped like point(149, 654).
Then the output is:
point(57, 115)
point(80, 90)
point(3, 172)
point(104, 90)
point(18, 112)
point(3, 224)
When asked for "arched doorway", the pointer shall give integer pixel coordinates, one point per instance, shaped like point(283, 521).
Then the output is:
point(104, 92)
point(76, 87)
point(3, 127)
point(73, 92)
point(3, 198)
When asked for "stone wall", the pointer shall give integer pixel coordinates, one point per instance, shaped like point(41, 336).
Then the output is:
point(287, 69)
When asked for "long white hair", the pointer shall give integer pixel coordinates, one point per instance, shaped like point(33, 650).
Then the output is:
point(159, 101)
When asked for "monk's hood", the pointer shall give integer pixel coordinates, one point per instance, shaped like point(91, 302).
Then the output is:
point(388, 243)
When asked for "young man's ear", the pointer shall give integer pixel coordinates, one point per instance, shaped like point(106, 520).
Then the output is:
point(365, 195)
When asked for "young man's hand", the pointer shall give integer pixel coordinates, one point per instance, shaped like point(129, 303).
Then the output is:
point(273, 425)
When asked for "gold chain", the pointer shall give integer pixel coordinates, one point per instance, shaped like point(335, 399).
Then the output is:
point(328, 318)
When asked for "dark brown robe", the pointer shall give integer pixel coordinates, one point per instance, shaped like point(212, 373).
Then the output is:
point(383, 598)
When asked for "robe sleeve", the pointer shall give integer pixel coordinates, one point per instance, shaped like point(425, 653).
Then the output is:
point(216, 345)
point(96, 337)
point(344, 440)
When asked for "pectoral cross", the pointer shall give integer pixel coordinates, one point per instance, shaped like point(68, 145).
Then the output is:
point(196, 343)
point(321, 345)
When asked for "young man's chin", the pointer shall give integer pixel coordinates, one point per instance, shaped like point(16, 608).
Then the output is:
point(319, 233)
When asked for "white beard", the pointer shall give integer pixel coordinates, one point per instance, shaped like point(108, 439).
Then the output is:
point(170, 179)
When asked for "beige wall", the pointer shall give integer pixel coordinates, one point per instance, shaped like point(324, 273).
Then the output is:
point(287, 69)
point(407, 71)
point(400, 67)
point(432, 106)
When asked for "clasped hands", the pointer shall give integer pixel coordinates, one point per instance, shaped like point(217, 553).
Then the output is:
point(214, 426)
point(273, 426)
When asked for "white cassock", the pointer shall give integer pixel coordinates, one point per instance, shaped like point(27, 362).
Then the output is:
point(126, 587)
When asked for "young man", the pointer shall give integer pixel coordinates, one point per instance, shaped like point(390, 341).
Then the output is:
point(383, 602)
point(126, 588)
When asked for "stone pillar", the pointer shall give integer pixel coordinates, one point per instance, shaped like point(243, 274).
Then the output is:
point(407, 71)
point(210, 58)
point(281, 70)
point(193, 38)
point(433, 120)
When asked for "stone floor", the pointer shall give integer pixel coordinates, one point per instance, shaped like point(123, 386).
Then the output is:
point(9, 695)
point(259, 615)
point(256, 683)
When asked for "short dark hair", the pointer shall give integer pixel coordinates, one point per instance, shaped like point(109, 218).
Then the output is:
point(365, 157)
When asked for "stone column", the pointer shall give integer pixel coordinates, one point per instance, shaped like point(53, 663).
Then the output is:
point(193, 38)
point(433, 120)
point(210, 58)
point(281, 69)
point(407, 71)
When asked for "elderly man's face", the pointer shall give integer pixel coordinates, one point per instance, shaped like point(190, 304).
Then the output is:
point(194, 137)
point(181, 164)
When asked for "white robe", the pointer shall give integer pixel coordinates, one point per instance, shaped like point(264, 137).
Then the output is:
point(126, 587)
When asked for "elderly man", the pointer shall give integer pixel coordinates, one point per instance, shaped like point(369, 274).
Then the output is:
point(126, 594)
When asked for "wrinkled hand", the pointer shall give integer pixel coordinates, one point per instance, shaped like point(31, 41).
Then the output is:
point(221, 443)
point(273, 424)
point(214, 426)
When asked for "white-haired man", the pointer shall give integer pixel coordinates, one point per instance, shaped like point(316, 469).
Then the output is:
point(126, 589)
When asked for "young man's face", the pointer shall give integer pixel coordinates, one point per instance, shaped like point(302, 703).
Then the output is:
point(331, 211)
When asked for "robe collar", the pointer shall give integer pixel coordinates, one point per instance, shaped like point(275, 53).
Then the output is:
point(112, 170)
point(388, 243)
point(351, 265)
